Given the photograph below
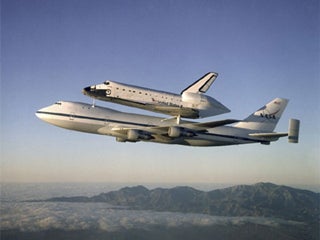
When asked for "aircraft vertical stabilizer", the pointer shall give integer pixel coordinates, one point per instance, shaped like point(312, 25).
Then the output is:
point(201, 85)
point(266, 118)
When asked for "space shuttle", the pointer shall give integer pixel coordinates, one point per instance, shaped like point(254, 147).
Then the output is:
point(190, 103)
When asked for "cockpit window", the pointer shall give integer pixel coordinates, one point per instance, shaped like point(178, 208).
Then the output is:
point(58, 103)
point(106, 83)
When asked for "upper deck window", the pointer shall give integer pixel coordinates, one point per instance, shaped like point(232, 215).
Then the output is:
point(106, 83)
point(58, 103)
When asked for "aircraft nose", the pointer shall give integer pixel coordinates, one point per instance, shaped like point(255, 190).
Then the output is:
point(46, 113)
point(38, 114)
point(41, 113)
point(89, 89)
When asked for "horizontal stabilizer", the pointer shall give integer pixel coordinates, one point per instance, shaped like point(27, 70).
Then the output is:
point(268, 136)
point(293, 133)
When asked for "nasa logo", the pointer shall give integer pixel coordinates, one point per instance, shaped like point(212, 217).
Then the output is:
point(268, 116)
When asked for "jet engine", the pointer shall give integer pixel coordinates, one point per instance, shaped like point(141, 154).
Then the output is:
point(136, 135)
point(119, 139)
point(133, 135)
point(175, 132)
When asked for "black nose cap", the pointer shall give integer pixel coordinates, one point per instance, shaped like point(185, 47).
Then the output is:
point(87, 90)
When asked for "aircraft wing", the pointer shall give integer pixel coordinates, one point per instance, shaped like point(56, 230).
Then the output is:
point(206, 125)
point(188, 128)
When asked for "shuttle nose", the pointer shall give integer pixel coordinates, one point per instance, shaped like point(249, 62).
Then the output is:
point(89, 89)
point(94, 91)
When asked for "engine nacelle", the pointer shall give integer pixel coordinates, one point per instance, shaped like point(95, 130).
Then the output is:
point(119, 139)
point(175, 132)
point(133, 135)
point(136, 135)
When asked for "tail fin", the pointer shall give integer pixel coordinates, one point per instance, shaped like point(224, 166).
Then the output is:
point(203, 84)
point(266, 118)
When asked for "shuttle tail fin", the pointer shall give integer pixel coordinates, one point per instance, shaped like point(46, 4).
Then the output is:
point(203, 84)
point(266, 118)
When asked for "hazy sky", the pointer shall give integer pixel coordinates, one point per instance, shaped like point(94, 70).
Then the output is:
point(51, 49)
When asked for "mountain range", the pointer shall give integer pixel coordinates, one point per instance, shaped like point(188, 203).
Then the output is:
point(261, 199)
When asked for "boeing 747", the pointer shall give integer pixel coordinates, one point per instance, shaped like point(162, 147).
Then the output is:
point(191, 103)
point(128, 127)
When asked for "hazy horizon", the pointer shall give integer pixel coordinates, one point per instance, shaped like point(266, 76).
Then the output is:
point(91, 188)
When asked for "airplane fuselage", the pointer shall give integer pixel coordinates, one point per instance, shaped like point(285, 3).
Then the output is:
point(188, 104)
point(135, 127)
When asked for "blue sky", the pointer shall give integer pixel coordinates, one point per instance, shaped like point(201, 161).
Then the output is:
point(51, 49)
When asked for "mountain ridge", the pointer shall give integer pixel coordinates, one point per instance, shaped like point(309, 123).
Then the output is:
point(260, 199)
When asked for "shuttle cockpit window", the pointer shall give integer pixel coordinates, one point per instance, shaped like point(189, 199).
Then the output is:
point(58, 103)
point(106, 83)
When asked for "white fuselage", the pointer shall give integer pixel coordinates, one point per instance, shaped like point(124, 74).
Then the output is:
point(188, 104)
point(98, 120)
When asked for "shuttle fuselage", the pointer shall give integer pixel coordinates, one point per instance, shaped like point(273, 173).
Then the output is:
point(191, 103)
